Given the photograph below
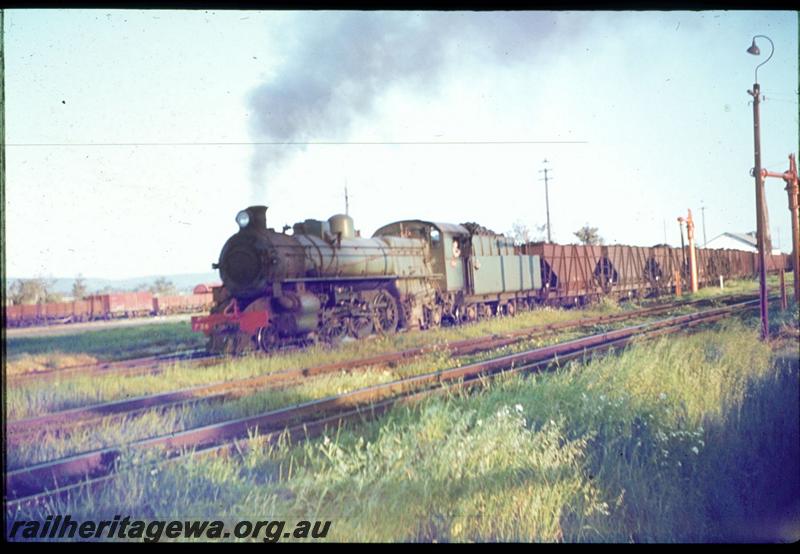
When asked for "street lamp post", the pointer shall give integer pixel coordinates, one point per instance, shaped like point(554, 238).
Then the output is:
point(760, 200)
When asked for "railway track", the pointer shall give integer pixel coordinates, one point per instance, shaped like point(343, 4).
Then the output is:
point(155, 364)
point(67, 421)
point(133, 366)
point(43, 482)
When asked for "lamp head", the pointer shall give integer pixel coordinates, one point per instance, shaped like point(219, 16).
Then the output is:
point(755, 51)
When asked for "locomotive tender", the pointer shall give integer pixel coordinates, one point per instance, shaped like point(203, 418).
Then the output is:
point(324, 281)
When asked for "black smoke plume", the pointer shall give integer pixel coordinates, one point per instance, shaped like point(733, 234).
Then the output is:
point(338, 65)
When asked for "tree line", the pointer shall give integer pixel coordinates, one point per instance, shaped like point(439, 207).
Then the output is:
point(523, 234)
point(41, 290)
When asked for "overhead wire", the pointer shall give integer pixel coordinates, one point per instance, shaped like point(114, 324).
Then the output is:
point(319, 143)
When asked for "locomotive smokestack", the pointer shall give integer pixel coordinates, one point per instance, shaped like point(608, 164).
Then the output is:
point(258, 217)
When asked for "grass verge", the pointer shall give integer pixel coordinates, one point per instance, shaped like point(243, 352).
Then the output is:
point(24, 354)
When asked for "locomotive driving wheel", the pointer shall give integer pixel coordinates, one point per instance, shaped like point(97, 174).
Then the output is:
point(267, 338)
point(385, 313)
point(359, 327)
point(333, 327)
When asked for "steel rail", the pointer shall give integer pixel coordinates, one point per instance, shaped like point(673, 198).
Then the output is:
point(234, 447)
point(55, 474)
point(314, 428)
point(133, 366)
point(65, 420)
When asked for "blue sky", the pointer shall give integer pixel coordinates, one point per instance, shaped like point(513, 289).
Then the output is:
point(129, 133)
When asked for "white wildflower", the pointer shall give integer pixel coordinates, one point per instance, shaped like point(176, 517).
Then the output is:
point(695, 450)
point(326, 441)
point(518, 407)
point(662, 396)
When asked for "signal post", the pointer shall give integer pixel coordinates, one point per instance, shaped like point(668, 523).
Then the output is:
point(692, 254)
point(793, 191)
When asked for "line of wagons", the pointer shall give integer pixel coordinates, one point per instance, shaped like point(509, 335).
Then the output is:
point(573, 274)
point(109, 306)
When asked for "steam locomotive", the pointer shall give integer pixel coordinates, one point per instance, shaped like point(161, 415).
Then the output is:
point(324, 281)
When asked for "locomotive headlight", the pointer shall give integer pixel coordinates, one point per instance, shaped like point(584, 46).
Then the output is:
point(243, 219)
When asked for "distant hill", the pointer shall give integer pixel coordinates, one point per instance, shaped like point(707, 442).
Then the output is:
point(184, 282)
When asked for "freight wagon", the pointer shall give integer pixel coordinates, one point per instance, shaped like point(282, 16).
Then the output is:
point(576, 274)
point(51, 312)
point(105, 307)
point(182, 304)
point(121, 304)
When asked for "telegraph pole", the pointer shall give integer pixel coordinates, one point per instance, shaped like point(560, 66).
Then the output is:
point(703, 212)
point(546, 197)
point(346, 200)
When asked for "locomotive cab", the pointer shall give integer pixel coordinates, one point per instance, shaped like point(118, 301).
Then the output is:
point(447, 244)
